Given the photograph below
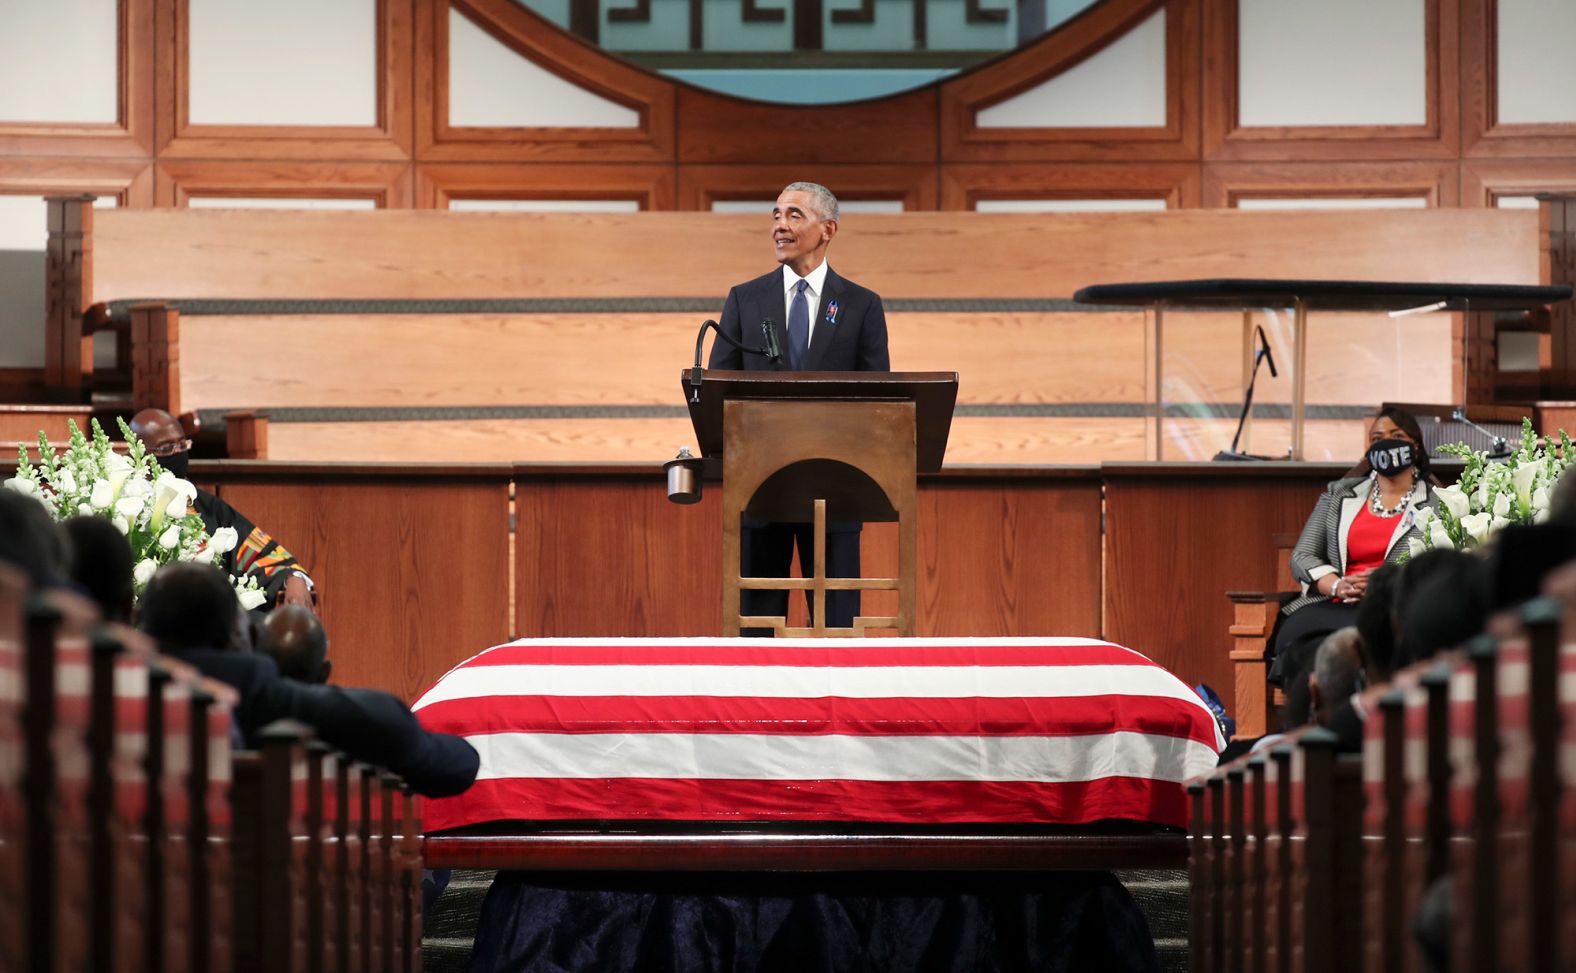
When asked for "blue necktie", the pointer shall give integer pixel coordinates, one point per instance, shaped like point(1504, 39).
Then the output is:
point(798, 327)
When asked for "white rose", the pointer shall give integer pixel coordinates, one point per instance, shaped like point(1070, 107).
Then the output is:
point(1502, 505)
point(122, 524)
point(103, 495)
point(144, 571)
point(1522, 478)
point(84, 509)
point(1415, 546)
point(1476, 526)
point(170, 538)
point(1458, 503)
point(203, 555)
point(1422, 517)
point(1438, 536)
point(223, 540)
point(250, 597)
point(129, 507)
point(1499, 523)
point(1540, 498)
point(22, 485)
point(137, 486)
point(1540, 517)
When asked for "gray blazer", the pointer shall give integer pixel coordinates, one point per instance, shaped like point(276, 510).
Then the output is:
point(1321, 549)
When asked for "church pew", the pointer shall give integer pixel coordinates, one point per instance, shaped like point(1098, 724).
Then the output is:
point(14, 892)
point(321, 761)
point(347, 932)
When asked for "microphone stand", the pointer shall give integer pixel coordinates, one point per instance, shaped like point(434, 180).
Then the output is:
point(1247, 400)
point(1499, 446)
point(771, 352)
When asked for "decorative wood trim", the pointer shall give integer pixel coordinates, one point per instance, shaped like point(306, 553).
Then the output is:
point(438, 182)
point(700, 186)
point(68, 290)
point(156, 358)
point(1225, 138)
point(1482, 182)
point(131, 134)
point(570, 58)
point(389, 138)
point(1063, 48)
point(130, 181)
point(389, 184)
point(1482, 134)
point(1227, 182)
point(716, 128)
point(1178, 183)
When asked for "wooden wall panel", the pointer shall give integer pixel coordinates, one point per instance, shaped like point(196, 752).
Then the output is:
point(1225, 138)
point(389, 184)
point(1226, 183)
point(1485, 180)
point(702, 185)
point(964, 185)
point(1177, 541)
point(652, 186)
point(412, 570)
point(715, 129)
point(129, 181)
point(1483, 136)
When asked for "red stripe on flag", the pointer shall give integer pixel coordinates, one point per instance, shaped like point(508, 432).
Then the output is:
point(752, 653)
point(819, 716)
point(904, 802)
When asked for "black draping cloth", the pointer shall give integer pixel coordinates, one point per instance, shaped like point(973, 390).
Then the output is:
point(812, 923)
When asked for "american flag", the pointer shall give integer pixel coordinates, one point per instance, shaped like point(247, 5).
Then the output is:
point(945, 731)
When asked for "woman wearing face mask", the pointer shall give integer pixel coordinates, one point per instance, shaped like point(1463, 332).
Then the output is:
point(1362, 522)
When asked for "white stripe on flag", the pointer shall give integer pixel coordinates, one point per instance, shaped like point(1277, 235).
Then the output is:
point(810, 682)
point(731, 756)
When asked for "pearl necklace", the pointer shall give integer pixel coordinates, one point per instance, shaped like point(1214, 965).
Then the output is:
point(1376, 504)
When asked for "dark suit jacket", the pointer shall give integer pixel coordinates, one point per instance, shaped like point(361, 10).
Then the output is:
point(368, 725)
point(857, 342)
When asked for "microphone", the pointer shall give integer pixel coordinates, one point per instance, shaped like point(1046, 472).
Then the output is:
point(771, 352)
point(1269, 359)
point(774, 351)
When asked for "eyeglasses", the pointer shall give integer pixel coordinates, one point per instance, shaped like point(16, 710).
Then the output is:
point(170, 449)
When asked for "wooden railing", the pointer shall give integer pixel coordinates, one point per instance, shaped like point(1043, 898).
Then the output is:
point(132, 837)
point(1305, 858)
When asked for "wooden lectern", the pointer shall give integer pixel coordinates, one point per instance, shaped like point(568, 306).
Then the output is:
point(814, 447)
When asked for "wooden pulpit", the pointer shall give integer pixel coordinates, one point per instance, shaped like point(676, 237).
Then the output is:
point(819, 447)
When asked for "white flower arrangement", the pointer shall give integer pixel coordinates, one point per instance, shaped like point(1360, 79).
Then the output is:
point(149, 505)
point(1492, 495)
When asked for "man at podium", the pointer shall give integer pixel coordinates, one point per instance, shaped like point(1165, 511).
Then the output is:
point(833, 325)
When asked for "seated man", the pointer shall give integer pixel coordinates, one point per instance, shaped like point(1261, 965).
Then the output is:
point(192, 612)
point(294, 638)
point(101, 563)
point(255, 552)
point(29, 541)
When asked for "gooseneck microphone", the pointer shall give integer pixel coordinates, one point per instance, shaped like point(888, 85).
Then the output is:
point(772, 352)
point(1264, 346)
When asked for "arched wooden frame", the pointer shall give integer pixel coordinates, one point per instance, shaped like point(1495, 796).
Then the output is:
point(389, 137)
point(1225, 138)
point(131, 134)
point(439, 182)
point(1483, 134)
point(541, 42)
point(962, 98)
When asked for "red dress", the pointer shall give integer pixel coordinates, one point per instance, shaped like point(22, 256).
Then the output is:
point(1367, 540)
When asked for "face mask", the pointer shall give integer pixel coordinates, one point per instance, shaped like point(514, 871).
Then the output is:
point(1389, 457)
point(175, 463)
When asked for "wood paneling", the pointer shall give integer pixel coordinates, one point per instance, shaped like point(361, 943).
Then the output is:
point(499, 255)
point(131, 134)
point(388, 138)
point(1225, 138)
point(389, 184)
point(535, 39)
point(1482, 134)
point(964, 185)
point(1483, 181)
point(1226, 183)
point(714, 129)
point(702, 185)
point(129, 181)
point(963, 140)
point(412, 571)
point(1175, 544)
point(652, 186)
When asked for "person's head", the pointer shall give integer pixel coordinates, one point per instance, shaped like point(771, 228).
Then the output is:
point(164, 437)
point(101, 564)
point(1442, 601)
point(189, 606)
point(1337, 674)
point(1395, 446)
point(1562, 500)
point(29, 540)
point(294, 636)
point(803, 224)
point(1376, 620)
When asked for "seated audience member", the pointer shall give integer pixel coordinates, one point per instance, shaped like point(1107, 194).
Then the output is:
point(192, 612)
point(1337, 675)
point(101, 564)
point(29, 541)
point(1443, 600)
point(255, 553)
point(1376, 621)
point(1362, 522)
point(294, 637)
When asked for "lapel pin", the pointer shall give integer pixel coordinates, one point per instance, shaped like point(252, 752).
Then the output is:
point(831, 313)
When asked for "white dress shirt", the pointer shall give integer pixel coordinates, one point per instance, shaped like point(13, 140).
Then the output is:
point(812, 296)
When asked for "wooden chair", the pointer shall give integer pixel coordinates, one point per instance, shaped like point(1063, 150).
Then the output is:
point(1254, 615)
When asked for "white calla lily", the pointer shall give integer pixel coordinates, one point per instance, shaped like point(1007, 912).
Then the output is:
point(1477, 525)
point(1501, 505)
point(1438, 536)
point(130, 507)
point(172, 496)
point(1540, 498)
point(1458, 503)
point(1522, 478)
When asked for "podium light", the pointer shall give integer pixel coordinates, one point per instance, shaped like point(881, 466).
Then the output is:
point(683, 477)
